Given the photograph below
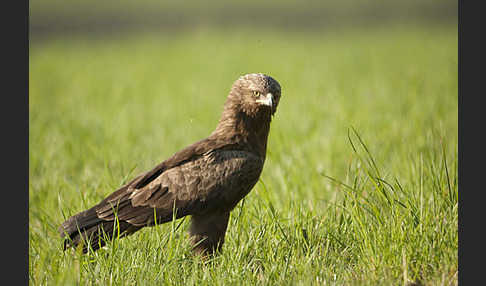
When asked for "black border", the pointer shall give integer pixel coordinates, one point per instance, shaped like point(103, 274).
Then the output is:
point(471, 76)
point(15, 148)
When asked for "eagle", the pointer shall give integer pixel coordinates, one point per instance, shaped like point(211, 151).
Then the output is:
point(205, 180)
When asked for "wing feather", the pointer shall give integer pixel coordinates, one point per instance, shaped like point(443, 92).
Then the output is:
point(215, 180)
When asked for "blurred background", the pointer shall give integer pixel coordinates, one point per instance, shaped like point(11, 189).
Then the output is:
point(115, 77)
point(55, 18)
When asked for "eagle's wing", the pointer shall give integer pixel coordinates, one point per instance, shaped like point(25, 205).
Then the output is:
point(204, 176)
point(191, 152)
point(215, 180)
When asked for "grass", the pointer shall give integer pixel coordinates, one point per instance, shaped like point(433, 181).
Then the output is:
point(360, 182)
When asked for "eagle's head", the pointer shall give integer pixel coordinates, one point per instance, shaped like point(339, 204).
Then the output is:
point(248, 111)
point(256, 94)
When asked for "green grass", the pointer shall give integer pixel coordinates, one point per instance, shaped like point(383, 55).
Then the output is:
point(360, 182)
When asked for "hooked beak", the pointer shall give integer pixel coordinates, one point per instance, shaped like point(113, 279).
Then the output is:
point(267, 100)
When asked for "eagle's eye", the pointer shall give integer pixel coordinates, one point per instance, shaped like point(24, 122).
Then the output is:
point(256, 93)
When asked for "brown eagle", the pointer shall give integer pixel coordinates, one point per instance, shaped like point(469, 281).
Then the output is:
point(205, 180)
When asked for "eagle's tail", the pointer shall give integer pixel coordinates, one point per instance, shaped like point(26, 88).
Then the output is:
point(87, 229)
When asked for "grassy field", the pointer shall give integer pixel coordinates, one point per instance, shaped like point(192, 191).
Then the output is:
point(360, 182)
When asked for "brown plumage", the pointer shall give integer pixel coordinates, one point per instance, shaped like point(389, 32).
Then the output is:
point(205, 180)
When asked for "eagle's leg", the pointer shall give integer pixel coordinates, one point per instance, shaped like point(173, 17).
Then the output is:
point(207, 232)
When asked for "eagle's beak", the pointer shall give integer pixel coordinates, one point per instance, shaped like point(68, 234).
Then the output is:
point(267, 100)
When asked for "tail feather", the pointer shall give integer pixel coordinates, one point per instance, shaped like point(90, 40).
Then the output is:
point(88, 229)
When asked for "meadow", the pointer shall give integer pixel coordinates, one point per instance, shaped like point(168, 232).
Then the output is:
point(359, 185)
